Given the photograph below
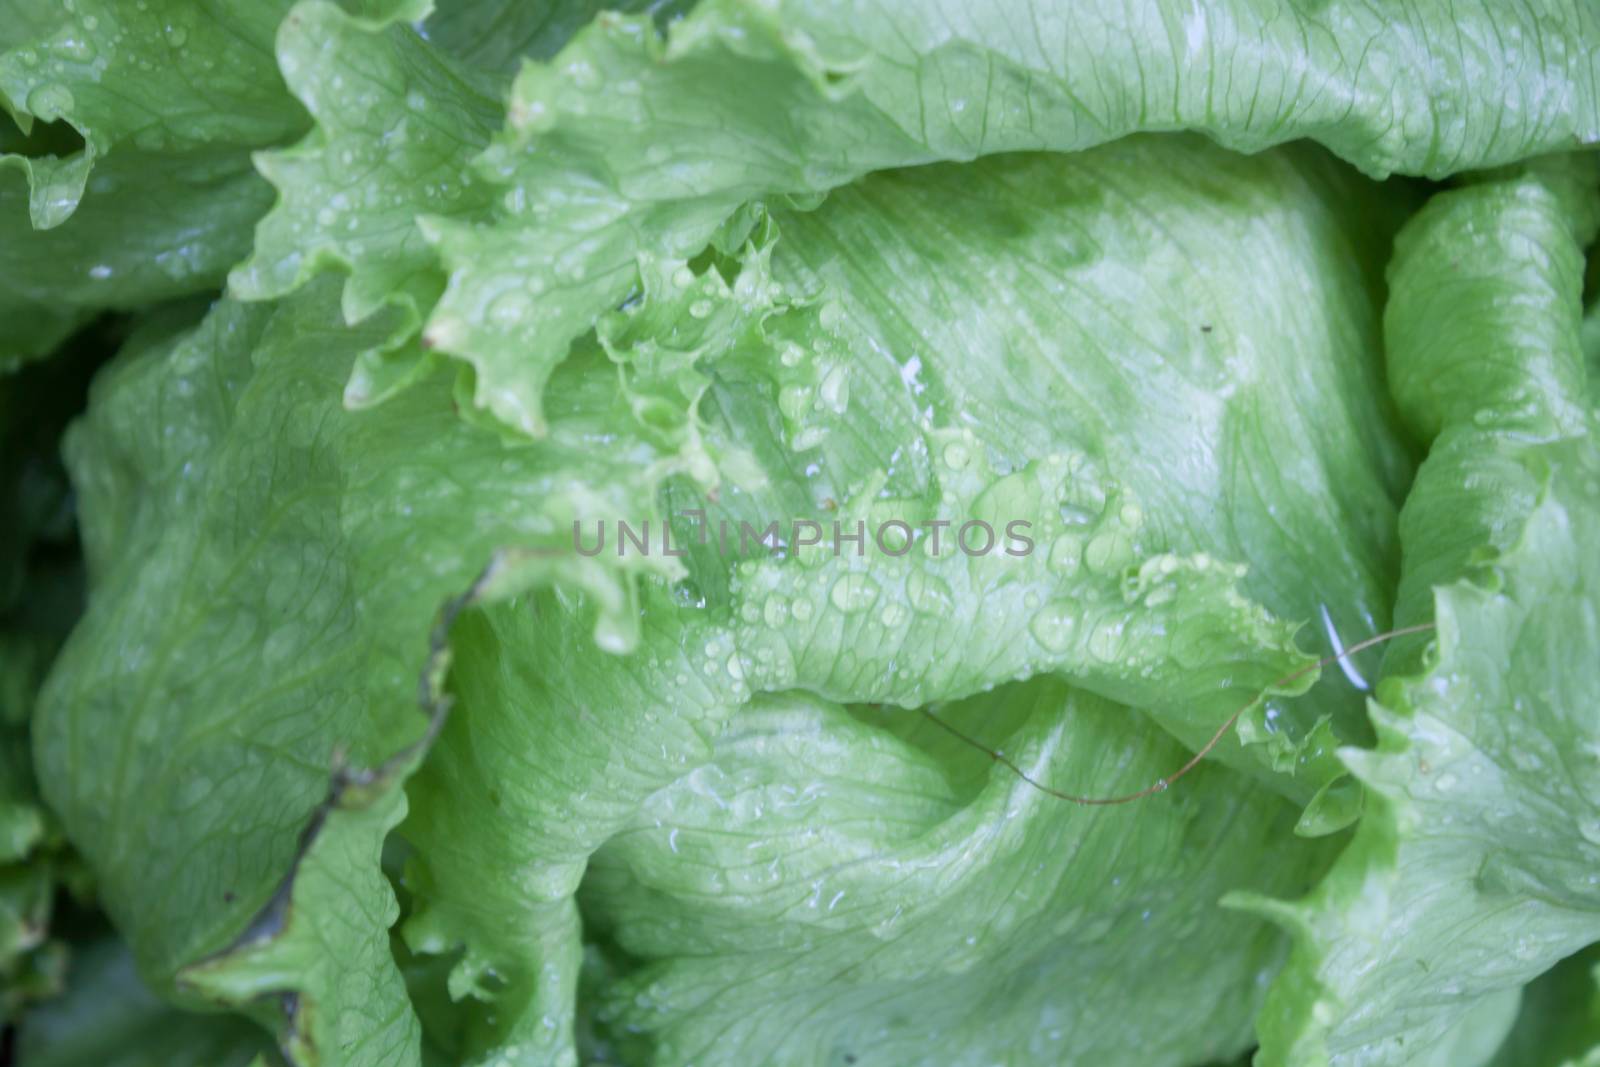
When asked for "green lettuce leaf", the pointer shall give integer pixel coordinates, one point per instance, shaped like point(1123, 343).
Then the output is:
point(127, 177)
point(1053, 317)
point(146, 114)
point(400, 112)
point(1559, 1021)
point(500, 34)
point(320, 949)
point(396, 123)
point(897, 905)
point(165, 78)
point(1473, 869)
point(153, 227)
point(904, 389)
point(190, 524)
point(625, 142)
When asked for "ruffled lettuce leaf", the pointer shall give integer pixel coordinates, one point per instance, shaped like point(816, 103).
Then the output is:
point(396, 120)
point(32, 330)
point(625, 141)
point(153, 227)
point(165, 78)
point(1473, 869)
point(162, 77)
point(261, 571)
point(125, 152)
point(143, 117)
point(400, 112)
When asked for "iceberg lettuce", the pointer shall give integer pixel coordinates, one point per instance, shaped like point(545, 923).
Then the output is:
point(617, 536)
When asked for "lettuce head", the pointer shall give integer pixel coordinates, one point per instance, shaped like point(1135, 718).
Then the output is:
point(799, 533)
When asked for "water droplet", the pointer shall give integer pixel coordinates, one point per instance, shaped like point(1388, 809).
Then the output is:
point(808, 438)
point(583, 74)
point(177, 36)
point(509, 309)
point(611, 635)
point(1054, 626)
point(79, 49)
point(700, 309)
point(1066, 552)
point(1526, 760)
point(1105, 642)
point(854, 593)
point(1074, 515)
point(834, 392)
point(956, 456)
point(1589, 827)
point(801, 609)
point(793, 400)
point(1109, 551)
point(50, 102)
point(1160, 594)
point(775, 611)
point(928, 593)
point(1271, 716)
point(894, 613)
